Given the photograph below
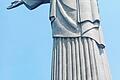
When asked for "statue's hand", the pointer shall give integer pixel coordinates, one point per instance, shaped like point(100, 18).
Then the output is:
point(15, 4)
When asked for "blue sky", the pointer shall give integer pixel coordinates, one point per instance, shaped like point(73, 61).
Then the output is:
point(26, 40)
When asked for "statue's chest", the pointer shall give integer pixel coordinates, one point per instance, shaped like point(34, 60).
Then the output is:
point(70, 3)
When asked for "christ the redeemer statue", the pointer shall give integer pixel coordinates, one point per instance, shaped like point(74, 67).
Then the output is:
point(78, 46)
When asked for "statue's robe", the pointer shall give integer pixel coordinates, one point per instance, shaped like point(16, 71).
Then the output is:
point(78, 50)
point(73, 18)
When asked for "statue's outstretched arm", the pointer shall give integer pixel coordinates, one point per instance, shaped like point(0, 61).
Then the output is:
point(30, 4)
point(15, 4)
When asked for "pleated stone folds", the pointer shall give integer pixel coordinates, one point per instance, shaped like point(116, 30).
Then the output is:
point(78, 59)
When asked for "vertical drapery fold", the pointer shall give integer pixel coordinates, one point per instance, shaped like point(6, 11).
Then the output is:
point(74, 59)
point(87, 59)
point(64, 61)
point(78, 70)
point(69, 60)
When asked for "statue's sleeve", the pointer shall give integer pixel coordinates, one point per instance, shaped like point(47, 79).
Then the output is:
point(32, 4)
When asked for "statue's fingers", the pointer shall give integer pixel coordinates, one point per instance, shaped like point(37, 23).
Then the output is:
point(14, 5)
point(10, 7)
